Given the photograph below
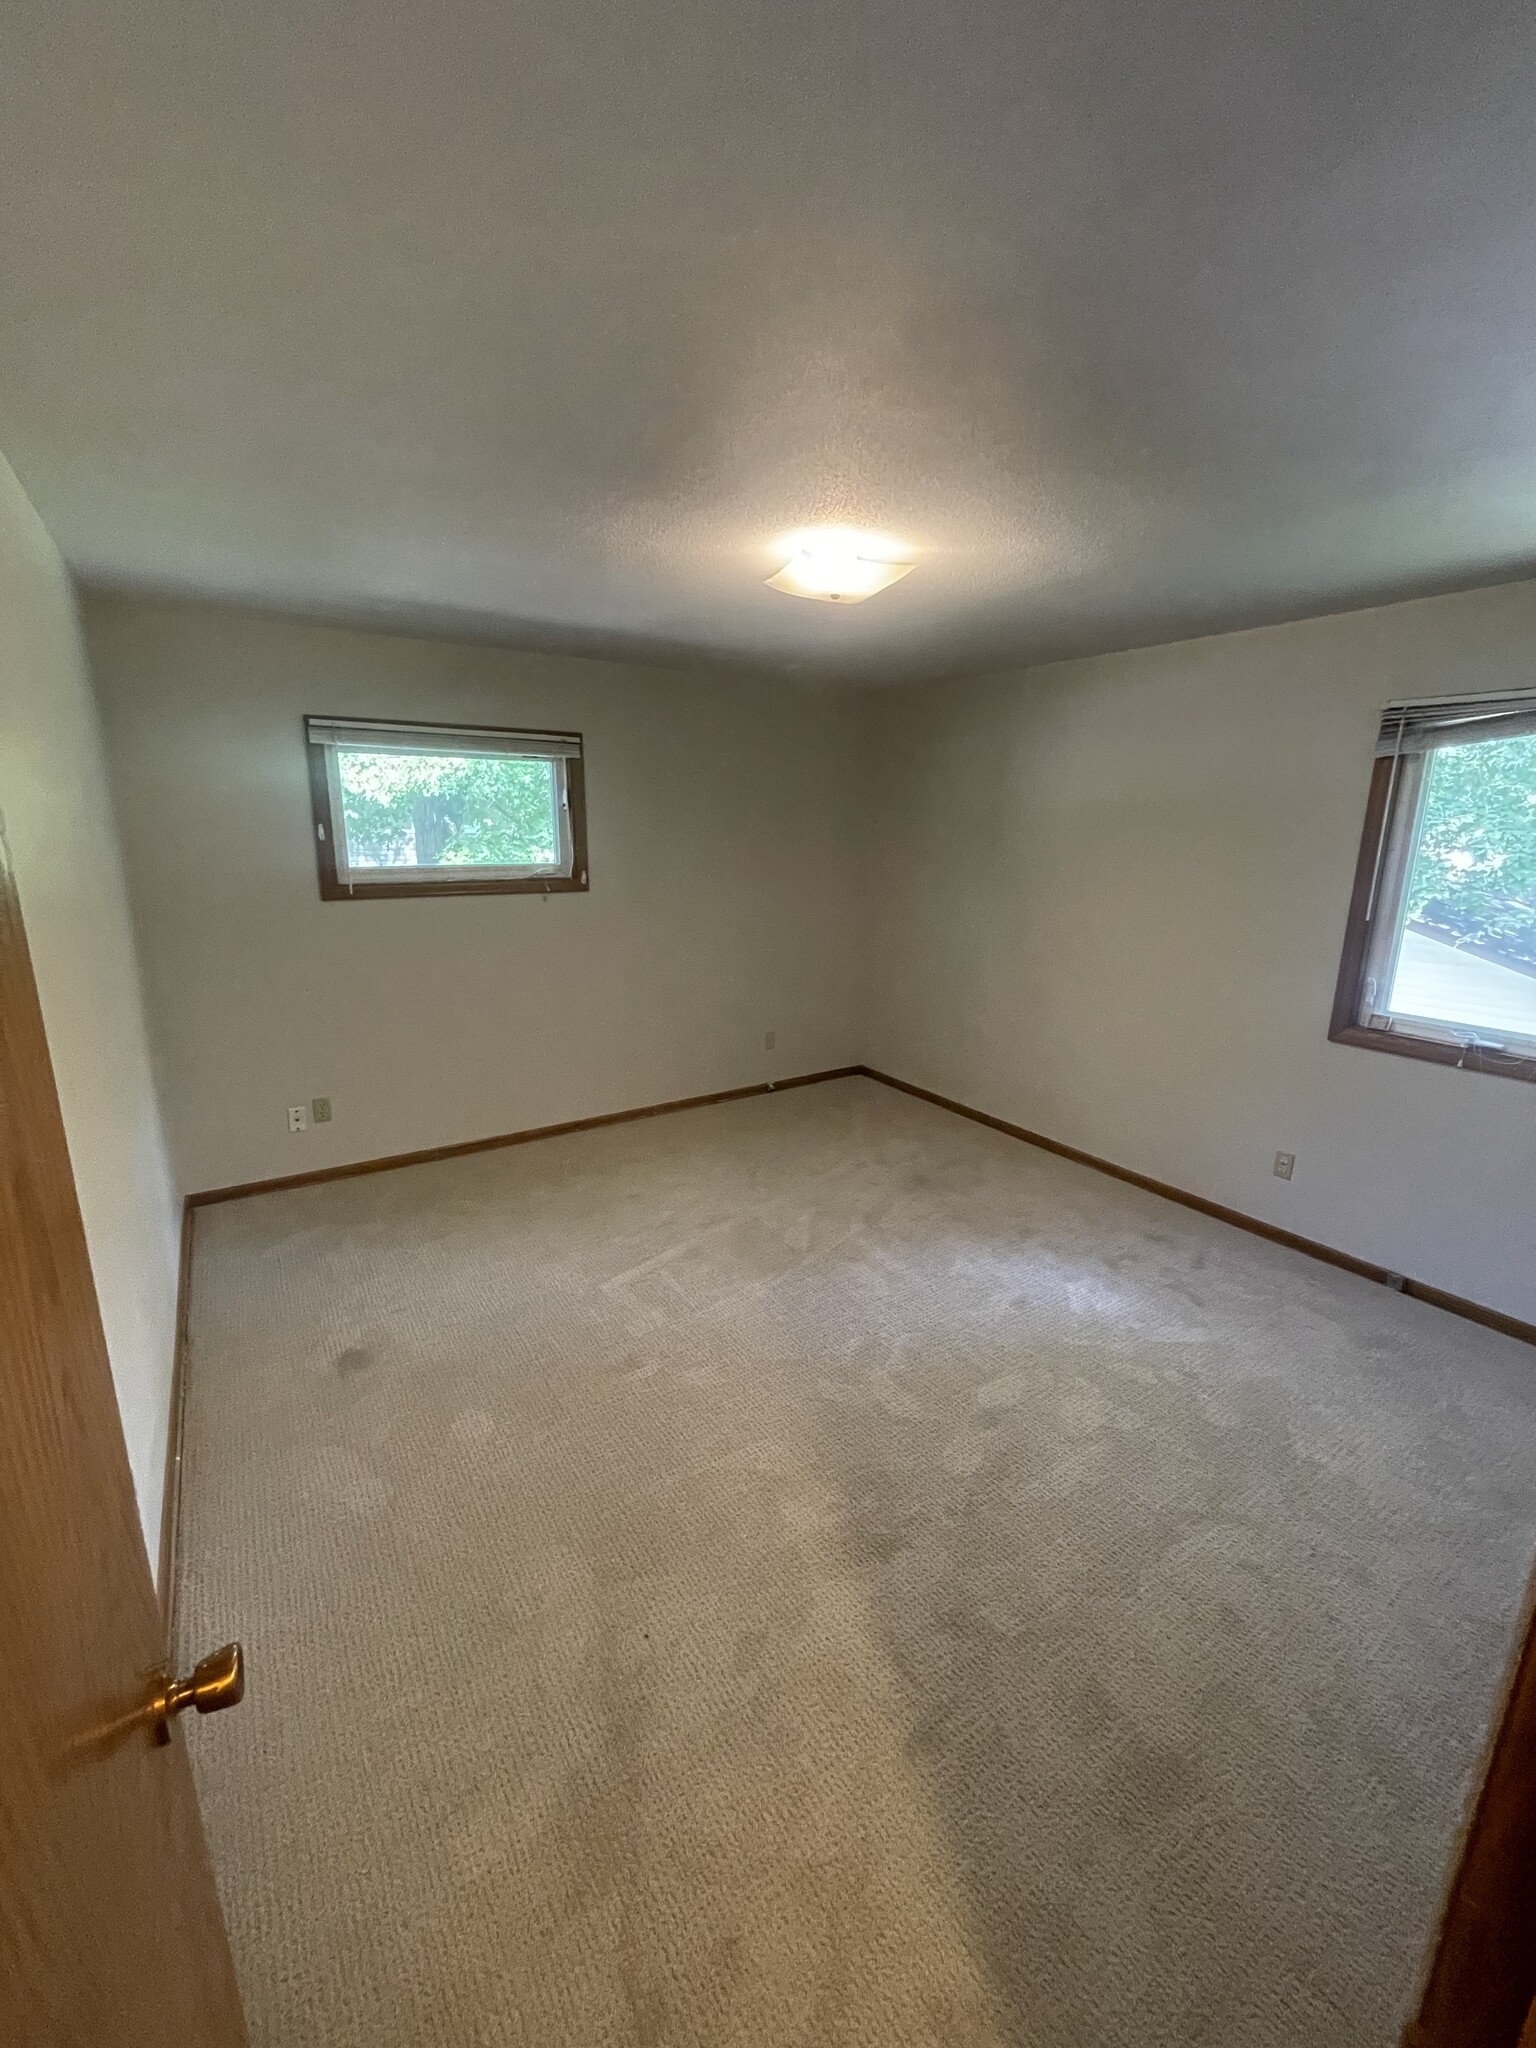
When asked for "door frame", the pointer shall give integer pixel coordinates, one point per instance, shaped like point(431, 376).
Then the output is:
point(1482, 1978)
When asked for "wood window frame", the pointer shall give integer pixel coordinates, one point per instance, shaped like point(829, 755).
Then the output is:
point(465, 881)
point(1390, 790)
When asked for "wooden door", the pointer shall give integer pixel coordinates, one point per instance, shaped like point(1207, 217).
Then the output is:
point(1482, 1980)
point(110, 1933)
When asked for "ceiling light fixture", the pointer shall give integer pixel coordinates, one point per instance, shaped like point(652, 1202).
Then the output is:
point(838, 564)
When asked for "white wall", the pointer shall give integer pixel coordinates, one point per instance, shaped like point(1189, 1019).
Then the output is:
point(1104, 899)
point(58, 820)
point(1112, 907)
point(722, 826)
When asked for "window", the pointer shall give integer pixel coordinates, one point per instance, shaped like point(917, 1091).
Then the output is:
point(445, 810)
point(1440, 955)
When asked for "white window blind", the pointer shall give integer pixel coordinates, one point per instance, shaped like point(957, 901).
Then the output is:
point(378, 736)
point(1419, 727)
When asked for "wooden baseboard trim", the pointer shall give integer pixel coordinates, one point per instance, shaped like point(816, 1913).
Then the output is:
point(459, 1151)
point(1437, 1297)
point(170, 1497)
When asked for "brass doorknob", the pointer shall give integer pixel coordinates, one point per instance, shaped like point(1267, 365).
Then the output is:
point(218, 1681)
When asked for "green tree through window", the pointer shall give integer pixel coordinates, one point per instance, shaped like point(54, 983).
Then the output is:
point(1473, 879)
point(448, 810)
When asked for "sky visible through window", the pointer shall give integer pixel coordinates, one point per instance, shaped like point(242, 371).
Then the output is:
point(448, 810)
point(1468, 950)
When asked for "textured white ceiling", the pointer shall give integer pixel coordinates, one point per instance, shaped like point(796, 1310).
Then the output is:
point(1133, 317)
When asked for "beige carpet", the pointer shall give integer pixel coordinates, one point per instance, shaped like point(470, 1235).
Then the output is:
point(816, 1571)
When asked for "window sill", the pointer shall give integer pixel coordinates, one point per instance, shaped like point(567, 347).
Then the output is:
point(532, 885)
point(1471, 1059)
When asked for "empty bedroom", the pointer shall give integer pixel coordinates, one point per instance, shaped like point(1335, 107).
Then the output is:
point(767, 1010)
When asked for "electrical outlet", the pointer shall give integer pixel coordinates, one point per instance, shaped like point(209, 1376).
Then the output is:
point(298, 1118)
point(769, 1038)
point(1285, 1165)
point(320, 1109)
